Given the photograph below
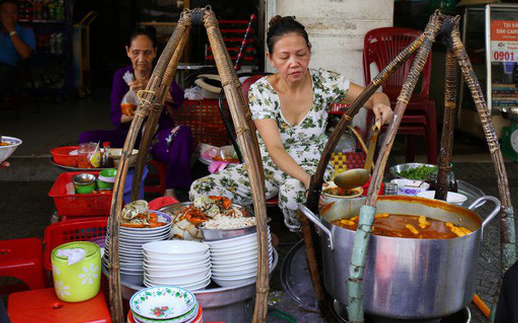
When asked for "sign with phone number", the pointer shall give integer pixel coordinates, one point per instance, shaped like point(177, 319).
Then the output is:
point(504, 41)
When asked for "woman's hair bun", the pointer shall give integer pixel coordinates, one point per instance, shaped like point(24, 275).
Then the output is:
point(275, 20)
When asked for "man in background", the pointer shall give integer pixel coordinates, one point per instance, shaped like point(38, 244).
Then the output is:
point(16, 44)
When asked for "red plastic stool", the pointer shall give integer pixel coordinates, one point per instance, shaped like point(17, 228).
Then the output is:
point(162, 171)
point(22, 259)
point(43, 306)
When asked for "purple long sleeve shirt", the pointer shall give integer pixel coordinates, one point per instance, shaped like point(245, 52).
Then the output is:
point(120, 88)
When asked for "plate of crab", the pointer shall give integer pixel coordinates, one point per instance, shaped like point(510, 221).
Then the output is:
point(189, 217)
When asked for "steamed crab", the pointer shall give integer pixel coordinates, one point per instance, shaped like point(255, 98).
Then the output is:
point(136, 215)
point(202, 209)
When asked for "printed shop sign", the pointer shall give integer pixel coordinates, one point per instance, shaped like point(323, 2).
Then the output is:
point(504, 41)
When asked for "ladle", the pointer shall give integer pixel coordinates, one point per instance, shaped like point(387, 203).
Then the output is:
point(355, 177)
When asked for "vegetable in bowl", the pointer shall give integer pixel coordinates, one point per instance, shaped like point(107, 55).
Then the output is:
point(418, 173)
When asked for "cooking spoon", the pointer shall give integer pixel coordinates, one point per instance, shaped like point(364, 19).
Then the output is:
point(355, 177)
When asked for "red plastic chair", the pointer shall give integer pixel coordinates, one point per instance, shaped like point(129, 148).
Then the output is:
point(381, 46)
point(162, 172)
point(22, 259)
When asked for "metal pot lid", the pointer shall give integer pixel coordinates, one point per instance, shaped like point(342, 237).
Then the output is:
point(295, 278)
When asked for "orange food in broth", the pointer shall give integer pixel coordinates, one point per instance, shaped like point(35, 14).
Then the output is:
point(407, 226)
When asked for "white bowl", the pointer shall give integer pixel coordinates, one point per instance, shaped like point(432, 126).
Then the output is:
point(197, 286)
point(175, 247)
point(410, 187)
point(238, 241)
point(452, 197)
point(236, 246)
point(7, 151)
point(223, 268)
point(178, 281)
point(233, 259)
point(179, 273)
point(175, 266)
point(179, 258)
point(232, 283)
point(176, 259)
point(232, 274)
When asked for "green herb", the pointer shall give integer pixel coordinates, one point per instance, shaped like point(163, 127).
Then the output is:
point(418, 173)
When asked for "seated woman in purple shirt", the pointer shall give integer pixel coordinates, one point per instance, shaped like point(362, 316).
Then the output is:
point(172, 146)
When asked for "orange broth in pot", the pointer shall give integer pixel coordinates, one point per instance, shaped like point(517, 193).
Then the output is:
point(407, 226)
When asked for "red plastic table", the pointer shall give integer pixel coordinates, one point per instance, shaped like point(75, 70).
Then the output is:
point(43, 306)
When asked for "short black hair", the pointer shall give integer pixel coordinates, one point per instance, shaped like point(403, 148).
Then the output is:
point(148, 31)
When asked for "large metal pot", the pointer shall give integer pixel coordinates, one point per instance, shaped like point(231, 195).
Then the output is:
point(406, 278)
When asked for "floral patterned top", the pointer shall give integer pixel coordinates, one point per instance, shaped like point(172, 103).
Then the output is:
point(305, 141)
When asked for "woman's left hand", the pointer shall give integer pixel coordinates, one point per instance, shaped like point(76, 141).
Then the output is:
point(383, 112)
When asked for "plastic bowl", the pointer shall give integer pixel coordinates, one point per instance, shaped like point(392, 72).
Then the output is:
point(61, 156)
point(452, 197)
point(108, 175)
point(410, 187)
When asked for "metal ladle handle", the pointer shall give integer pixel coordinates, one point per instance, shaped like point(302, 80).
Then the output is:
point(313, 218)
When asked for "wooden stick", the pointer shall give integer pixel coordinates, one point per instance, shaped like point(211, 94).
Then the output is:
point(247, 139)
point(315, 187)
point(150, 126)
point(507, 223)
point(143, 110)
point(362, 236)
point(450, 103)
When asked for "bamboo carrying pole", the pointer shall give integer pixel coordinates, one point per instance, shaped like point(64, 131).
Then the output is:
point(241, 116)
point(150, 131)
point(507, 223)
point(317, 179)
point(152, 101)
point(367, 211)
point(143, 110)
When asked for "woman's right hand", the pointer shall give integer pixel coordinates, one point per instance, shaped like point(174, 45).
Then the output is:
point(138, 85)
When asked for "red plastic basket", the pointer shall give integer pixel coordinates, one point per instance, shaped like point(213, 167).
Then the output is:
point(61, 157)
point(74, 230)
point(78, 204)
point(204, 119)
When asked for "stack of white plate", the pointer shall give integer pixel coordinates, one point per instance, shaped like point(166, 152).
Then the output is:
point(130, 247)
point(177, 262)
point(234, 261)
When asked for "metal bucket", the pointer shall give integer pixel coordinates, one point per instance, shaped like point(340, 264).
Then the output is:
point(406, 278)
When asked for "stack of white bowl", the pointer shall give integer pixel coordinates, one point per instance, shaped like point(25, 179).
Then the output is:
point(234, 261)
point(130, 247)
point(180, 263)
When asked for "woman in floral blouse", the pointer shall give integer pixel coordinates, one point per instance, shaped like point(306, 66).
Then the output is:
point(290, 110)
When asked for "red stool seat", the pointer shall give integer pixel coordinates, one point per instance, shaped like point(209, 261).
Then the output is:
point(162, 172)
point(42, 306)
point(22, 259)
